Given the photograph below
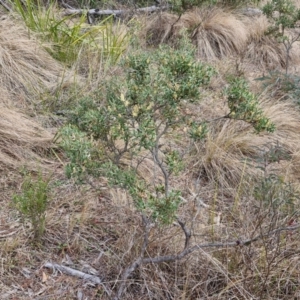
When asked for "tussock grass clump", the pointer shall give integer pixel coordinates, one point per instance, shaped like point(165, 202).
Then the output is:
point(26, 68)
point(286, 117)
point(262, 49)
point(226, 150)
point(27, 72)
point(218, 33)
point(215, 32)
point(160, 28)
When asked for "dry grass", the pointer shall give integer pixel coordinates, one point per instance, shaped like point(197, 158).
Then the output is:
point(160, 28)
point(215, 32)
point(287, 134)
point(100, 231)
point(230, 152)
point(21, 140)
point(218, 33)
point(27, 70)
point(262, 50)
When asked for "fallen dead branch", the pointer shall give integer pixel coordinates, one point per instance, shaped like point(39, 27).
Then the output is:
point(73, 272)
point(98, 12)
point(186, 251)
point(76, 273)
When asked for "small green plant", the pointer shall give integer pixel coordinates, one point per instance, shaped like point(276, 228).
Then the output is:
point(284, 15)
point(276, 196)
point(244, 106)
point(32, 203)
point(273, 193)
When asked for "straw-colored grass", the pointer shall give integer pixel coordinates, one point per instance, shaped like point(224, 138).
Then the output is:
point(218, 33)
point(22, 140)
point(215, 32)
point(27, 72)
point(160, 28)
point(263, 50)
point(26, 68)
point(100, 231)
point(232, 151)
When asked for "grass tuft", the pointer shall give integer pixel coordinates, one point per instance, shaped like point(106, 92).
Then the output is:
point(215, 32)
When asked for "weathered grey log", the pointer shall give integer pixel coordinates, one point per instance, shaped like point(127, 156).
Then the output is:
point(118, 12)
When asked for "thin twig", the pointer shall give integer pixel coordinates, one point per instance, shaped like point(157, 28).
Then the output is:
point(3, 3)
point(187, 251)
point(157, 160)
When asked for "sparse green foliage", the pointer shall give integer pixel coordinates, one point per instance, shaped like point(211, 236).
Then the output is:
point(277, 196)
point(284, 15)
point(81, 150)
point(198, 131)
point(32, 203)
point(244, 106)
point(68, 38)
point(271, 154)
point(272, 192)
point(174, 161)
point(164, 208)
point(139, 110)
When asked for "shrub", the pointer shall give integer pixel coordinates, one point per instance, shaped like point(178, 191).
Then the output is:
point(244, 106)
point(284, 15)
point(139, 111)
point(32, 203)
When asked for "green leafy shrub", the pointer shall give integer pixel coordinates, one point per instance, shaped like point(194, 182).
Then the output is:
point(139, 109)
point(244, 106)
point(32, 203)
point(283, 14)
point(134, 113)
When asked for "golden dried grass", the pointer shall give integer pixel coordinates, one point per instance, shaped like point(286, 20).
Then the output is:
point(25, 67)
point(22, 140)
point(27, 72)
point(263, 50)
point(286, 117)
point(159, 28)
point(215, 32)
point(226, 151)
point(232, 150)
point(218, 33)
